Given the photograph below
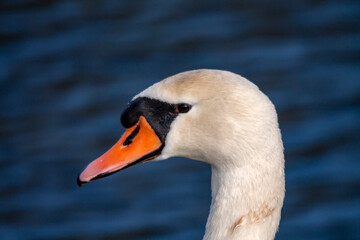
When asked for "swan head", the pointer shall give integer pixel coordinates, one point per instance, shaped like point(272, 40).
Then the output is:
point(209, 115)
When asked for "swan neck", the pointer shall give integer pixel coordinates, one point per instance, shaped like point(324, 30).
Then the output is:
point(244, 205)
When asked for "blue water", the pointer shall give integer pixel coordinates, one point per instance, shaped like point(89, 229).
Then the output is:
point(68, 68)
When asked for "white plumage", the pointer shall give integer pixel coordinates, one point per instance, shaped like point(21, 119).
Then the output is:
point(233, 126)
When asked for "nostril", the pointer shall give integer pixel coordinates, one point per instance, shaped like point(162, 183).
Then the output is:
point(131, 137)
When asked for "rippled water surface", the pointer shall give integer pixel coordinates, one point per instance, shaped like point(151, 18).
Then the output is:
point(68, 68)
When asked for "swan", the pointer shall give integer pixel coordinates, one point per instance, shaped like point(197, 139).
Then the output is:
point(220, 118)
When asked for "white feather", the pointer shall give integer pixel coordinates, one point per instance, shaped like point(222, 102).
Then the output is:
point(233, 126)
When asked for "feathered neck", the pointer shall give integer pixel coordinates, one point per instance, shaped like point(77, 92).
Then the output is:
point(247, 200)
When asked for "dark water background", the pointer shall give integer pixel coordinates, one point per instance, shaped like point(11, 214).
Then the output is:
point(68, 68)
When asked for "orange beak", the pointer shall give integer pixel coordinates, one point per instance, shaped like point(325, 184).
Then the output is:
point(139, 143)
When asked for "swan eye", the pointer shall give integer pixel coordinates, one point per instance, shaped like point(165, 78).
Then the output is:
point(182, 108)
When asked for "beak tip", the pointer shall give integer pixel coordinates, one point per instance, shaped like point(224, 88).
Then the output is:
point(79, 182)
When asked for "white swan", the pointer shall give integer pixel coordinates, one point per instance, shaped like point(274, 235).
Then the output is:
point(220, 118)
